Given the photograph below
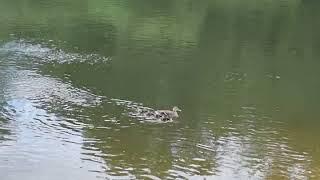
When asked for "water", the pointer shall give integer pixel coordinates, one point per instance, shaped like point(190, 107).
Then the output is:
point(244, 73)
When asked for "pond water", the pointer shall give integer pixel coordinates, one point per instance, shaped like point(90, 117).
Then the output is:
point(245, 74)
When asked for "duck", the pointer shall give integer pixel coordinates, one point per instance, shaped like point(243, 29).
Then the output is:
point(167, 115)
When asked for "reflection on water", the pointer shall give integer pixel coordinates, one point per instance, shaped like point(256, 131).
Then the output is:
point(36, 134)
point(45, 119)
point(245, 75)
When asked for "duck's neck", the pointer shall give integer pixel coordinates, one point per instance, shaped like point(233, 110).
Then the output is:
point(175, 114)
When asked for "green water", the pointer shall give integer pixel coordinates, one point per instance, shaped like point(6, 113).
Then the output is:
point(245, 74)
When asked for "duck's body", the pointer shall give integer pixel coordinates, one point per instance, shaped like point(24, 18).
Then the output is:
point(172, 114)
point(163, 115)
point(166, 115)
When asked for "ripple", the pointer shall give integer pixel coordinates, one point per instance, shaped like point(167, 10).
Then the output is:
point(44, 119)
point(146, 176)
point(41, 89)
point(20, 49)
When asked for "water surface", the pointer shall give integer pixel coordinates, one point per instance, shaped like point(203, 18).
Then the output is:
point(245, 75)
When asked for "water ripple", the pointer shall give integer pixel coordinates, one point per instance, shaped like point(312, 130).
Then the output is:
point(19, 49)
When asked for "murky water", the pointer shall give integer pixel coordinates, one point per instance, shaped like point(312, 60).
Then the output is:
point(244, 73)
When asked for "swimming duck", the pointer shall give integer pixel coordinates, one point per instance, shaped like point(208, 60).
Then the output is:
point(167, 115)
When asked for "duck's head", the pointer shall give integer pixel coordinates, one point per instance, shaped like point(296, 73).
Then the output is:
point(176, 109)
